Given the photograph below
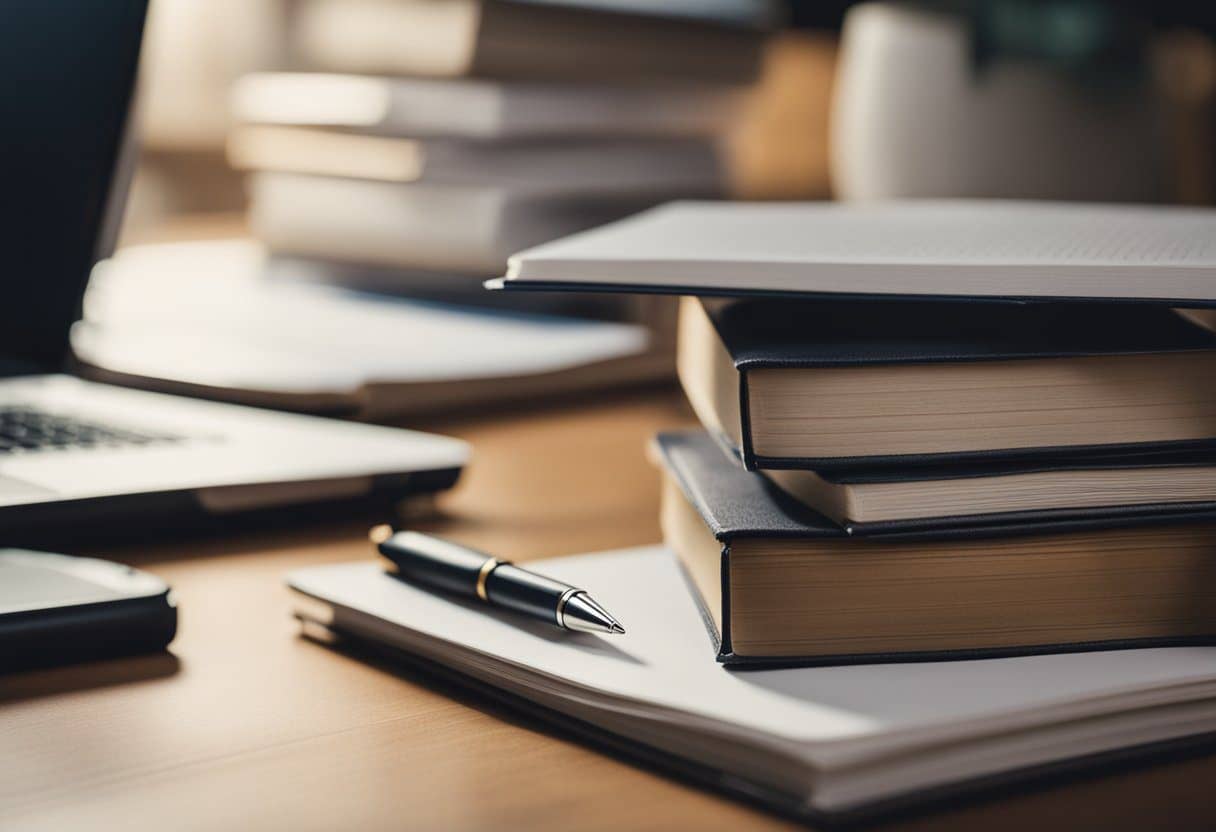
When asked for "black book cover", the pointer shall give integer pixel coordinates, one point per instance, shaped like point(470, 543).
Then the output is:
point(510, 283)
point(769, 334)
point(736, 504)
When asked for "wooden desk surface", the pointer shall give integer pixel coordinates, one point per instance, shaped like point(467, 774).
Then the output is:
point(247, 726)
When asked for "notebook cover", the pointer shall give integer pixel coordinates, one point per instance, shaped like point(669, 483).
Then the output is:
point(757, 794)
point(736, 504)
point(768, 334)
point(503, 284)
point(999, 249)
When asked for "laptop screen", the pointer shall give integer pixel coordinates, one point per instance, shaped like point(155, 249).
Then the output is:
point(68, 68)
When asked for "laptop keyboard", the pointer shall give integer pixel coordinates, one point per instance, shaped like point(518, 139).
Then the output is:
point(27, 429)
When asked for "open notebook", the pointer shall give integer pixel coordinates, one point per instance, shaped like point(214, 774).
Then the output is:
point(827, 743)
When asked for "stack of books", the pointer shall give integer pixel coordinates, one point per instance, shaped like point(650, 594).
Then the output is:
point(913, 477)
point(876, 481)
point(429, 140)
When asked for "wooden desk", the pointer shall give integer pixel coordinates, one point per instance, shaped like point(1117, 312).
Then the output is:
point(250, 727)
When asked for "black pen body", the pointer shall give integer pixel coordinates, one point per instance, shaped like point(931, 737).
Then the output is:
point(458, 569)
point(450, 567)
point(526, 592)
point(436, 563)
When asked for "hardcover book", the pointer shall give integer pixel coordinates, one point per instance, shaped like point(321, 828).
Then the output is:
point(481, 108)
point(781, 584)
point(460, 228)
point(881, 498)
point(499, 39)
point(818, 385)
point(612, 167)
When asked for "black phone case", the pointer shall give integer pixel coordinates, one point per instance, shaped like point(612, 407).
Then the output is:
point(85, 632)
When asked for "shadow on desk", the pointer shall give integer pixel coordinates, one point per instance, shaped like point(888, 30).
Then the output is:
point(1169, 792)
point(76, 678)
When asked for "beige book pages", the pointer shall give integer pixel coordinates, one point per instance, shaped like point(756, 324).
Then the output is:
point(950, 408)
point(1040, 490)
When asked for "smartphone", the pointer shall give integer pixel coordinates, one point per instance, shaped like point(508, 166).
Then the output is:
point(59, 609)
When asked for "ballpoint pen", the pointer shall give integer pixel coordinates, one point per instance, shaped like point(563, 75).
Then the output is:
point(441, 564)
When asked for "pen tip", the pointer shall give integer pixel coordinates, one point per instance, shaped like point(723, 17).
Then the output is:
point(583, 613)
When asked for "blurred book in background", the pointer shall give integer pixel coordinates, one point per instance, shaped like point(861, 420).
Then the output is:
point(195, 50)
point(756, 13)
point(418, 180)
point(497, 39)
point(466, 229)
point(481, 108)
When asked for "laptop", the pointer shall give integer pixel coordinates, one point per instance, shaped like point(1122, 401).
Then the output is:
point(73, 452)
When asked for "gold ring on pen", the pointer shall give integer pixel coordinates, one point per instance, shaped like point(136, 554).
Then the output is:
point(483, 575)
